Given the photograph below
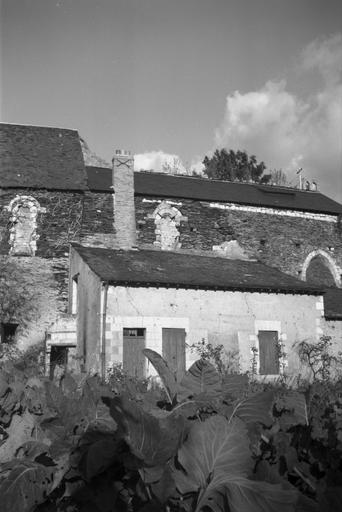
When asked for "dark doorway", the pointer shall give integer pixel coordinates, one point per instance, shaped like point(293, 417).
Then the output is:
point(58, 360)
point(319, 273)
point(7, 332)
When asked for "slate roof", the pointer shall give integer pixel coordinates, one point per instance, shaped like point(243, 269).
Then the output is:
point(333, 304)
point(183, 270)
point(185, 187)
point(41, 157)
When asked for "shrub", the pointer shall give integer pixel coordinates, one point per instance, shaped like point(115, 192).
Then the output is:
point(216, 444)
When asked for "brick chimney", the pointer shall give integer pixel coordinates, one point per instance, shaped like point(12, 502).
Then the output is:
point(124, 210)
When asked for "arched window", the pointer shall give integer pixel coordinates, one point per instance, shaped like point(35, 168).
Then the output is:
point(319, 268)
point(23, 225)
point(167, 219)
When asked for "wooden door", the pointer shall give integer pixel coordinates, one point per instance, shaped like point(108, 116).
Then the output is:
point(174, 350)
point(133, 359)
point(268, 352)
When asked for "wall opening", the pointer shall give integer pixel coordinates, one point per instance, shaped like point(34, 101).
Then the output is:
point(7, 332)
point(320, 269)
point(58, 360)
point(74, 296)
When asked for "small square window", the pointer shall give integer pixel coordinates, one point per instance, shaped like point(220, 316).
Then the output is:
point(134, 333)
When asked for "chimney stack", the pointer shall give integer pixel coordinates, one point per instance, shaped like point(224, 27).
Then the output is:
point(124, 210)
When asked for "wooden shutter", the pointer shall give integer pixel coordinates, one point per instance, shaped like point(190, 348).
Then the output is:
point(268, 352)
point(133, 359)
point(174, 350)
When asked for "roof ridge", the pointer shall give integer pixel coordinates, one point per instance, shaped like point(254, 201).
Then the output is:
point(39, 126)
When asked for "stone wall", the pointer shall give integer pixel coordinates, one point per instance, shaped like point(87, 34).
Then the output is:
point(64, 217)
point(282, 241)
point(60, 218)
point(33, 295)
point(97, 221)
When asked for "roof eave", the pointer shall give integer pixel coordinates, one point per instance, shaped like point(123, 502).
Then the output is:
point(240, 203)
point(251, 289)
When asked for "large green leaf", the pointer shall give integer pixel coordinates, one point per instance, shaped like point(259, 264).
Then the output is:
point(24, 484)
point(4, 383)
point(216, 461)
point(295, 403)
point(213, 450)
point(149, 438)
point(164, 372)
point(251, 496)
point(201, 378)
point(234, 385)
point(256, 408)
point(97, 452)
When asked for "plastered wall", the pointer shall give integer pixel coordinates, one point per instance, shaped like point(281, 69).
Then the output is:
point(228, 318)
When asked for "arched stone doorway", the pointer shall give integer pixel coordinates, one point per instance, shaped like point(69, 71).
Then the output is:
point(319, 268)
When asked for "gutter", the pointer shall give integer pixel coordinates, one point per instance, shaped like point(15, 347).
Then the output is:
point(104, 297)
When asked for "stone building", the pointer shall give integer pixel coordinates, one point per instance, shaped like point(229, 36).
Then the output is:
point(50, 198)
point(45, 204)
point(127, 300)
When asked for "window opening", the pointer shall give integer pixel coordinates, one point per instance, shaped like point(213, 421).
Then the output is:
point(134, 332)
point(74, 297)
point(7, 332)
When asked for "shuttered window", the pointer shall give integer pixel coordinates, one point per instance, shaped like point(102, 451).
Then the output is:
point(268, 353)
point(133, 359)
point(173, 340)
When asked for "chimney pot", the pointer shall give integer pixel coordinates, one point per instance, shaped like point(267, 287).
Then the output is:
point(122, 152)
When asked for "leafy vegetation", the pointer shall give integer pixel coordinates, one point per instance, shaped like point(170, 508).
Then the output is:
point(320, 358)
point(212, 442)
point(235, 166)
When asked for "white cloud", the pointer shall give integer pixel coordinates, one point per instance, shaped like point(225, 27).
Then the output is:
point(286, 131)
point(326, 56)
point(159, 161)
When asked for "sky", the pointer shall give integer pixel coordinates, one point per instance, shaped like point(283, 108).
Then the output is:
point(172, 80)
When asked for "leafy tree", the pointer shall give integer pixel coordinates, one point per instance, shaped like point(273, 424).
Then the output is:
point(235, 166)
point(278, 177)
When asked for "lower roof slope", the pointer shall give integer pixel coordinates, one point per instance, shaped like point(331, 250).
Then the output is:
point(185, 270)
